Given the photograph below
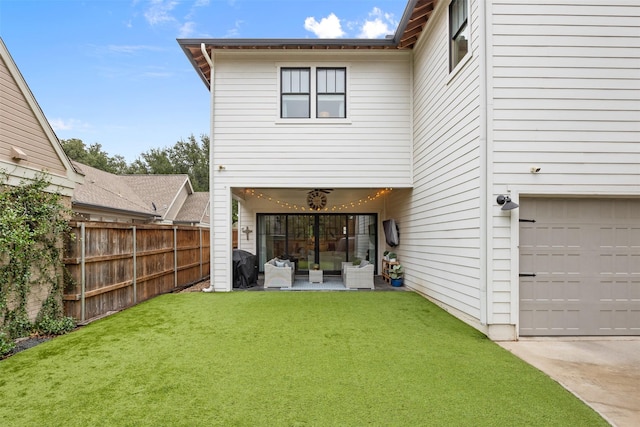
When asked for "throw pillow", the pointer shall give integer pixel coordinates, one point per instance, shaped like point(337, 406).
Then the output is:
point(279, 263)
point(364, 263)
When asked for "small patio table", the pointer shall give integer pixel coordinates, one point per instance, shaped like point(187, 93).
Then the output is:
point(315, 276)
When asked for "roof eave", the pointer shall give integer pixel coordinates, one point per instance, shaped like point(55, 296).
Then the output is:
point(416, 13)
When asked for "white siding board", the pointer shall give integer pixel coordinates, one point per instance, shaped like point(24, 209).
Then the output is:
point(316, 153)
point(438, 219)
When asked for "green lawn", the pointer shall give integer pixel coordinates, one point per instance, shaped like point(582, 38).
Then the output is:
point(280, 359)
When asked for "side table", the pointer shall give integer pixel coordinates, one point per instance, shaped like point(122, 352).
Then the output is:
point(315, 276)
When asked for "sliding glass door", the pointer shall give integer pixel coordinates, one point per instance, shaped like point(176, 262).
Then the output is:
point(323, 239)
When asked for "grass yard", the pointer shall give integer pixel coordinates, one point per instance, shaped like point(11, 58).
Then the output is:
point(281, 359)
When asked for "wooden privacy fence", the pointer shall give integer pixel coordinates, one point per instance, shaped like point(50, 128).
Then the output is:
point(114, 266)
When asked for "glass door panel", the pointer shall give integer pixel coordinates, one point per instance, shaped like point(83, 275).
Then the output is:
point(331, 231)
point(301, 242)
point(272, 231)
point(364, 232)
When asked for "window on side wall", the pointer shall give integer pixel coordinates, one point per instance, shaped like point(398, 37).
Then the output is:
point(458, 32)
point(331, 92)
point(295, 93)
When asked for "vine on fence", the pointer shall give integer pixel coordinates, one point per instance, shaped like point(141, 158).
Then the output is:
point(33, 223)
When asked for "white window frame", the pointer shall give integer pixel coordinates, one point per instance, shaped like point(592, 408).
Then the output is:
point(314, 119)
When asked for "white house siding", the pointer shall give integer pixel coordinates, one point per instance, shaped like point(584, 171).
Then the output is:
point(439, 220)
point(370, 148)
point(253, 148)
point(564, 82)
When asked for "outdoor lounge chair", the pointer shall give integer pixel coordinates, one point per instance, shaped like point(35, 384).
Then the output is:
point(358, 276)
point(279, 273)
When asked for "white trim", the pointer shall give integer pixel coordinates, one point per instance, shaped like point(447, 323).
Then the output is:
point(467, 57)
point(16, 174)
point(486, 252)
point(319, 122)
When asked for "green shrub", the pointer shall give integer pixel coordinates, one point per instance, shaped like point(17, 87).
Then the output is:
point(6, 344)
point(17, 324)
point(54, 326)
point(33, 224)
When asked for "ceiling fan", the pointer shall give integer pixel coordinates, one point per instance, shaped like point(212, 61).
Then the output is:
point(317, 198)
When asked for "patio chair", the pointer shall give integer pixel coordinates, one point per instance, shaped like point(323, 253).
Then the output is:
point(358, 276)
point(279, 273)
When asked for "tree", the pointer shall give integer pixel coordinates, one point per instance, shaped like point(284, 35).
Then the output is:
point(94, 156)
point(187, 157)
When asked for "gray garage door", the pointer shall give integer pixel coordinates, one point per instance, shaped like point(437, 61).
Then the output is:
point(585, 254)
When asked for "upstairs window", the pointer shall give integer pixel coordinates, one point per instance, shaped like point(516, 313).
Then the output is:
point(295, 93)
point(458, 32)
point(331, 92)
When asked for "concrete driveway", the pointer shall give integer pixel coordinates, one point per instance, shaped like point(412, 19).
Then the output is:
point(603, 372)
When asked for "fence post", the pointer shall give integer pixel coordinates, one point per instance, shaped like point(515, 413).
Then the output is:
point(135, 266)
point(82, 271)
point(175, 257)
point(200, 243)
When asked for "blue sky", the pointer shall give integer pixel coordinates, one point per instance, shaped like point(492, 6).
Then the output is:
point(111, 71)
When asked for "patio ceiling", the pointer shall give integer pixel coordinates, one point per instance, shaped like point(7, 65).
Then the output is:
point(296, 198)
point(414, 20)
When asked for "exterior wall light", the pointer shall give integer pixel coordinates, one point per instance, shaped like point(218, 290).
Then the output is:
point(506, 203)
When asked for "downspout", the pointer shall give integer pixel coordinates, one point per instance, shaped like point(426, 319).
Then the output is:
point(486, 234)
point(209, 60)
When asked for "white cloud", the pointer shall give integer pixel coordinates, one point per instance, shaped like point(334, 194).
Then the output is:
point(379, 24)
point(187, 29)
point(327, 28)
point(159, 11)
point(132, 48)
point(233, 32)
point(70, 124)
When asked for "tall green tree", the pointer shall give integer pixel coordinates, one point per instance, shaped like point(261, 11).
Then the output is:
point(94, 156)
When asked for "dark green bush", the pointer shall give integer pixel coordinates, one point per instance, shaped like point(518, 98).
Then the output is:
point(6, 344)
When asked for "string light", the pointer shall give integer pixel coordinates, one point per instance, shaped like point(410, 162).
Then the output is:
point(250, 192)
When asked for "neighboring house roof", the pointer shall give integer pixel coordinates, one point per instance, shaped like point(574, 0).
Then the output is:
point(148, 197)
point(159, 191)
point(28, 144)
point(195, 209)
point(413, 21)
point(107, 191)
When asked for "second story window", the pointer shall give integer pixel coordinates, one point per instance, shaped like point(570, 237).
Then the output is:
point(331, 92)
point(295, 93)
point(458, 32)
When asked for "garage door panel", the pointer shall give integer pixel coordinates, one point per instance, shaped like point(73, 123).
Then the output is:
point(585, 254)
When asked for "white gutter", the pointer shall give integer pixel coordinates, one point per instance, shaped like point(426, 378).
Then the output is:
point(209, 60)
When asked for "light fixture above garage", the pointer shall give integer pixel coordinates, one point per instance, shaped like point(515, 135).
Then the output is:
point(506, 203)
